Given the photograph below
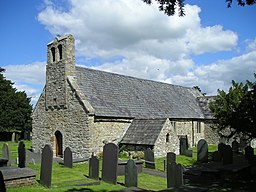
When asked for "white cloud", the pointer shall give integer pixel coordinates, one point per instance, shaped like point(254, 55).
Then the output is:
point(151, 44)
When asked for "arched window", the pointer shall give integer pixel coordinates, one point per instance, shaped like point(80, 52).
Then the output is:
point(167, 138)
point(60, 51)
point(53, 54)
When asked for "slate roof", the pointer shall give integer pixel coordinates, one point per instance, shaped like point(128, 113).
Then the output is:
point(204, 104)
point(114, 95)
point(143, 131)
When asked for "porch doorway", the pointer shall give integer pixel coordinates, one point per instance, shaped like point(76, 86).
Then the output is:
point(59, 144)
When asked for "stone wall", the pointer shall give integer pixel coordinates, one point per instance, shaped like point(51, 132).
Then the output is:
point(166, 143)
point(72, 122)
point(107, 131)
point(211, 134)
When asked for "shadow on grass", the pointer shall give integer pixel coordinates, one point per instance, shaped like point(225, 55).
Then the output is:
point(85, 190)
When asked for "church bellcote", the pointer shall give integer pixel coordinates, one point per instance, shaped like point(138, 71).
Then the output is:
point(60, 64)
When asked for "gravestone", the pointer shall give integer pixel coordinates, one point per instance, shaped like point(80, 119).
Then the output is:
point(2, 184)
point(248, 152)
point(13, 137)
point(22, 155)
point(174, 175)
point(183, 145)
point(202, 151)
point(243, 143)
point(227, 155)
point(94, 167)
point(46, 166)
point(109, 163)
point(68, 158)
point(6, 153)
point(235, 146)
point(171, 157)
point(149, 159)
point(216, 156)
point(221, 147)
point(131, 174)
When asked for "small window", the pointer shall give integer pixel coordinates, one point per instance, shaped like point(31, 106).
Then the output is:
point(167, 138)
point(60, 51)
point(173, 125)
point(198, 127)
point(53, 54)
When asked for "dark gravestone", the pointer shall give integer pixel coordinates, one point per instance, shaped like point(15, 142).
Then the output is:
point(94, 167)
point(109, 163)
point(202, 151)
point(188, 153)
point(2, 184)
point(171, 157)
point(6, 153)
point(248, 152)
point(131, 174)
point(183, 145)
point(216, 156)
point(22, 155)
point(243, 143)
point(149, 159)
point(221, 147)
point(68, 158)
point(46, 166)
point(235, 146)
point(227, 155)
point(174, 175)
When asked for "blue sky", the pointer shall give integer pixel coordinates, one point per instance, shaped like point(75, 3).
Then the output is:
point(209, 47)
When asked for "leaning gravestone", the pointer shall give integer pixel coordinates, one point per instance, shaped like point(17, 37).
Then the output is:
point(94, 167)
point(227, 155)
point(202, 151)
point(46, 166)
point(248, 152)
point(235, 146)
point(149, 159)
point(131, 174)
point(6, 153)
point(22, 155)
point(109, 163)
point(174, 175)
point(2, 184)
point(68, 159)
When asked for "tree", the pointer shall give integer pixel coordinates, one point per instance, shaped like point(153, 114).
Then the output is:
point(169, 6)
point(236, 109)
point(15, 108)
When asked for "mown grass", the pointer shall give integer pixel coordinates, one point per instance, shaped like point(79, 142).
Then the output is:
point(67, 180)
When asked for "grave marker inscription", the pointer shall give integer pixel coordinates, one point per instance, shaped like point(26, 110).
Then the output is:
point(46, 166)
point(68, 158)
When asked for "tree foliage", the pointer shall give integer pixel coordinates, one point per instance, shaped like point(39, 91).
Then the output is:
point(236, 109)
point(169, 6)
point(15, 108)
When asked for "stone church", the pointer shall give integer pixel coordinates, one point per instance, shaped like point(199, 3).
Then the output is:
point(83, 109)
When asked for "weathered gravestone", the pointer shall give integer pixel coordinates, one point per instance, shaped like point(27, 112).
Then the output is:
point(149, 159)
point(131, 174)
point(68, 158)
point(109, 163)
point(94, 167)
point(6, 153)
point(202, 151)
point(235, 146)
point(227, 155)
point(22, 155)
point(174, 175)
point(248, 152)
point(46, 166)
point(2, 184)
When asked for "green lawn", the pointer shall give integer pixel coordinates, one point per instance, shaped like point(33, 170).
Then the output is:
point(66, 179)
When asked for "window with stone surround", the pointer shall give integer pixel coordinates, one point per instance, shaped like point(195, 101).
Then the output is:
point(60, 51)
point(53, 54)
point(198, 127)
point(167, 138)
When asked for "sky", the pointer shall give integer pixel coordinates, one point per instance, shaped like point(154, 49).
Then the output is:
point(209, 47)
